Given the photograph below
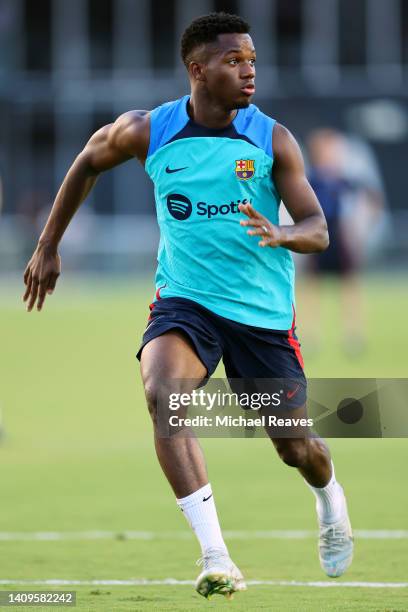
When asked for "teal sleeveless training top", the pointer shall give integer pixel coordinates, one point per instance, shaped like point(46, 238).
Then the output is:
point(200, 176)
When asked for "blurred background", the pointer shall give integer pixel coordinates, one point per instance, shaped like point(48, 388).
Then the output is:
point(76, 446)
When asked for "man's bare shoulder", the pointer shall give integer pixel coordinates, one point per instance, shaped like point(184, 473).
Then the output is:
point(282, 139)
point(133, 118)
point(131, 133)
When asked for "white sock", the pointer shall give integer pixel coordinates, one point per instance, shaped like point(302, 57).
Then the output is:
point(329, 500)
point(200, 512)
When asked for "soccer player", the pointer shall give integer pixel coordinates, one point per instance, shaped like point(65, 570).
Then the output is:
point(225, 276)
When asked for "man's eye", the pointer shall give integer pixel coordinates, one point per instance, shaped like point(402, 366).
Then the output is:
point(233, 61)
point(253, 62)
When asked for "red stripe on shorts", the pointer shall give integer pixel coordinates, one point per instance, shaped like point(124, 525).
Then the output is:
point(294, 343)
point(153, 304)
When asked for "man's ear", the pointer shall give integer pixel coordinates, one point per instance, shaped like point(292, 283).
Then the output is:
point(197, 71)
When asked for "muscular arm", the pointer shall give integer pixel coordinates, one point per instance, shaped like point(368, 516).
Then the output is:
point(309, 232)
point(110, 146)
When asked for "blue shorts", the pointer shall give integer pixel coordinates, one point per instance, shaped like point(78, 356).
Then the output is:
point(247, 352)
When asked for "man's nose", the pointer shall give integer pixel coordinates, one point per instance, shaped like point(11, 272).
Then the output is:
point(248, 71)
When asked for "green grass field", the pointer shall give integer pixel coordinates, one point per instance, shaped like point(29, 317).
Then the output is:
point(77, 456)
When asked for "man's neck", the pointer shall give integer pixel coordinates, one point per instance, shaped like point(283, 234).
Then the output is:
point(208, 113)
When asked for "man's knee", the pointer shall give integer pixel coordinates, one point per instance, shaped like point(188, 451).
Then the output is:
point(155, 393)
point(159, 398)
point(293, 452)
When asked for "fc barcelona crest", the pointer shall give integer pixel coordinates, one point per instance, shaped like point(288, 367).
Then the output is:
point(244, 169)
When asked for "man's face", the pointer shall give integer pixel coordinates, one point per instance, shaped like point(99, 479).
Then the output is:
point(230, 70)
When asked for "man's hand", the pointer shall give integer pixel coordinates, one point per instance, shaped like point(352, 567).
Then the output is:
point(271, 234)
point(41, 274)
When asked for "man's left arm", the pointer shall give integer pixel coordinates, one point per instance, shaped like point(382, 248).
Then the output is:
point(309, 233)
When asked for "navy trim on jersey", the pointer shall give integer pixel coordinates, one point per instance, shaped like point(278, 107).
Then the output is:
point(194, 130)
point(170, 122)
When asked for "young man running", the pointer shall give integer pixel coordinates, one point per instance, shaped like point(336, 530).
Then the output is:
point(220, 168)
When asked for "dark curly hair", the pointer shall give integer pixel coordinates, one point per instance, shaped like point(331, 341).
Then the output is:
point(205, 29)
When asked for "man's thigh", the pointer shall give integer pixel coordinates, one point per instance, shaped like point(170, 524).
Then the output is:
point(171, 356)
point(170, 367)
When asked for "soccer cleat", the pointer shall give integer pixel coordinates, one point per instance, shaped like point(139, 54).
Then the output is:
point(336, 545)
point(219, 576)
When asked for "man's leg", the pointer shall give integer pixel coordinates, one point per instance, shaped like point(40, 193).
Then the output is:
point(170, 364)
point(166, 358)
point(311, 457)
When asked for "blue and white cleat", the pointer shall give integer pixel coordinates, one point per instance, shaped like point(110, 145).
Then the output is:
point(336, 544)
point(220, 576)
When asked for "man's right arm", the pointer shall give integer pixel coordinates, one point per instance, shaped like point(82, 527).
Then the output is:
point(110, 146)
